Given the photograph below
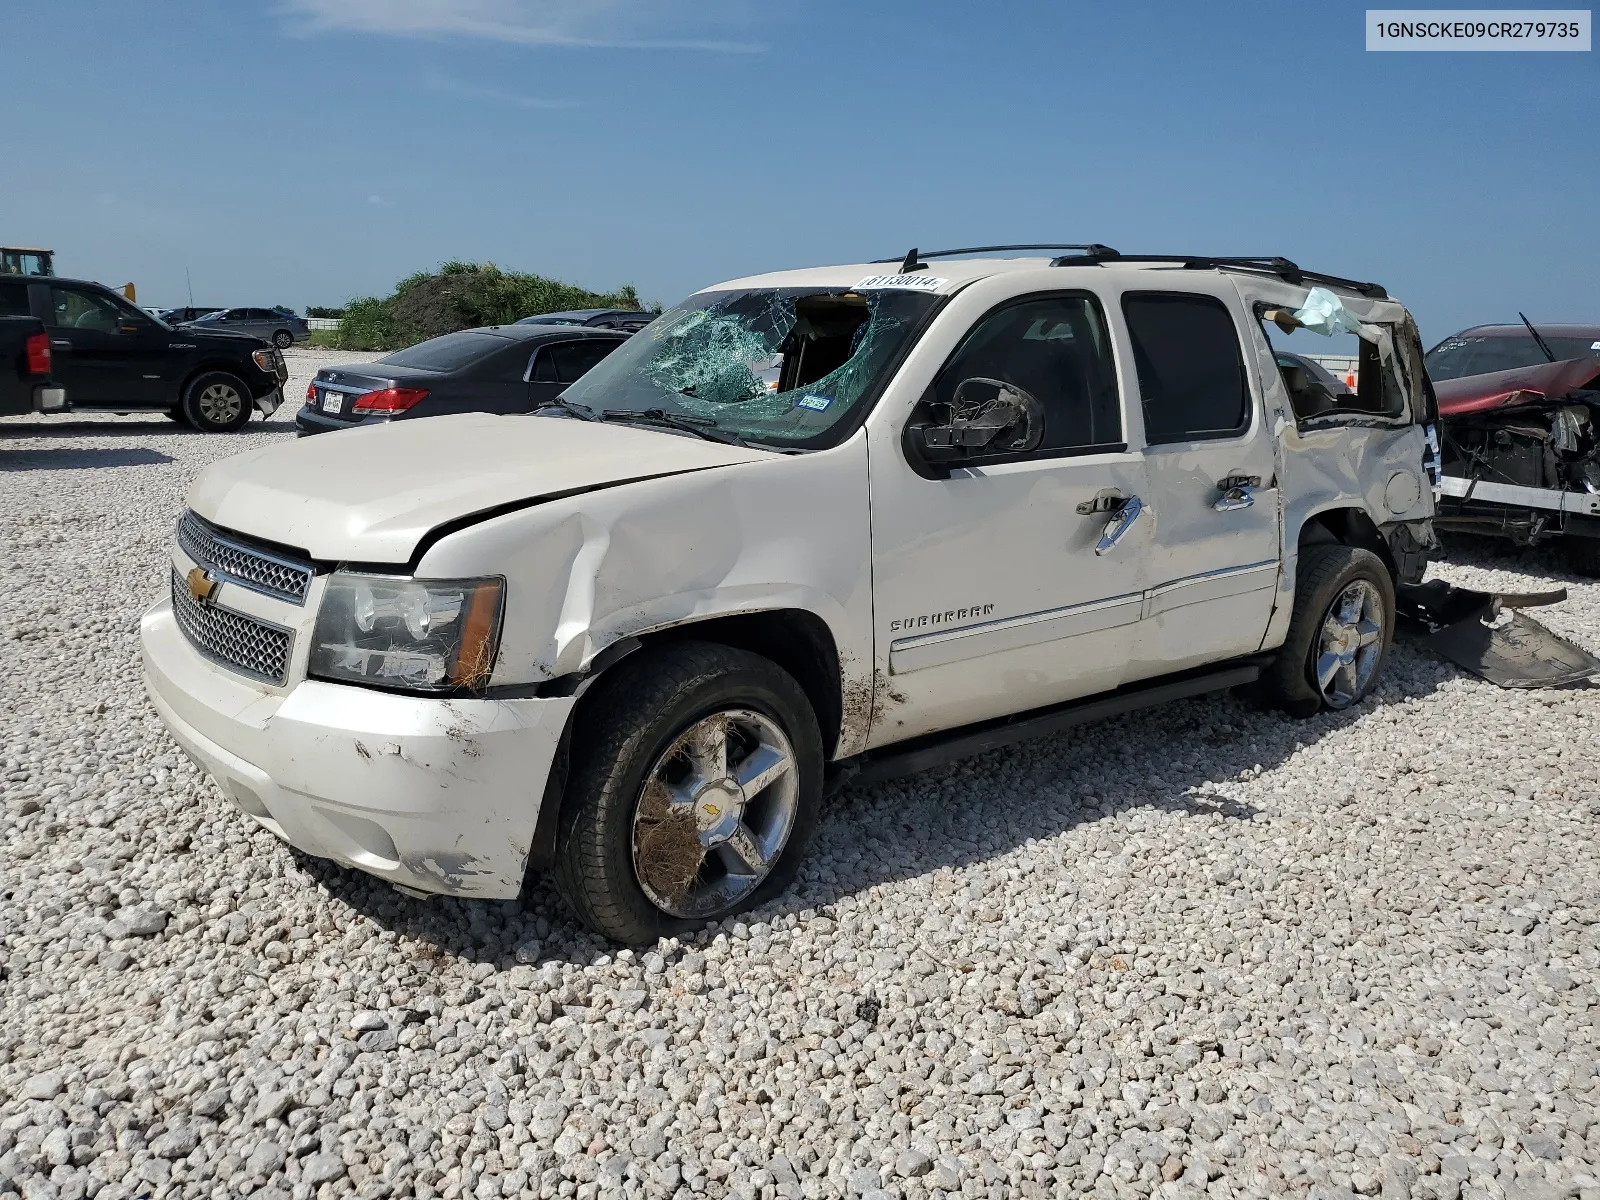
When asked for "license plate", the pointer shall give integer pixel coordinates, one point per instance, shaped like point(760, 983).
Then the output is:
point(332, 402)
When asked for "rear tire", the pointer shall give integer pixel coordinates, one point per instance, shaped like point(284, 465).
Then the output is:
point(649, 845)
point(283, 339)
point(1339, 634)
point(216, 402)
point(1583, 555)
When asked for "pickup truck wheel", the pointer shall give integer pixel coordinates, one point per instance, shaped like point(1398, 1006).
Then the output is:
point(1582, 555)
point(695, 787)
point(216, 402)
point(1339, 634)
point(283, 339)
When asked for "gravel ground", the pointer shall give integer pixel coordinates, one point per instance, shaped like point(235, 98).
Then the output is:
point(1197, 950)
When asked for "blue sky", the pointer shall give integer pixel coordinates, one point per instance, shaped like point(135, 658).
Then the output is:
point(304, 151)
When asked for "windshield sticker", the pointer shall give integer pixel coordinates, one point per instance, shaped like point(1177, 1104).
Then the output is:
point(814, 402)
point(912, 283)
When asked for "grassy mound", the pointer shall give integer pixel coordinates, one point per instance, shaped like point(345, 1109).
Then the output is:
point(461, 296)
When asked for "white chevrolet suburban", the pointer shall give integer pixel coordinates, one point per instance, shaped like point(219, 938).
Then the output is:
point(805, 528)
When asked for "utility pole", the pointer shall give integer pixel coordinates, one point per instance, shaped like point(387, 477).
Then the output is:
point(190, 282)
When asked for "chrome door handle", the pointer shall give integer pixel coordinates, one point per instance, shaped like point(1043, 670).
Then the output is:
point(1236, 498)
point(1119, 524)
point(60, 342)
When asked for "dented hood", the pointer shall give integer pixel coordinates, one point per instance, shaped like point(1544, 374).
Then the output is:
point(1545, 383)
point(370, 494)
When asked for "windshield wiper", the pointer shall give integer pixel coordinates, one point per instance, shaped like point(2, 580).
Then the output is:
point(703, 427)
point(1543, 346)
point(565, 405)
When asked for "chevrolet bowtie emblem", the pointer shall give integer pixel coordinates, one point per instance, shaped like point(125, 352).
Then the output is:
point(201, 585)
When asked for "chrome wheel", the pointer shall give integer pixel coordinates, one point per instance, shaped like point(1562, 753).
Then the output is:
point(1350, 644)
point(220, 403)
point(715, 813)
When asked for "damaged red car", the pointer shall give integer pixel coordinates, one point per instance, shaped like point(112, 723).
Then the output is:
point(1519, 435)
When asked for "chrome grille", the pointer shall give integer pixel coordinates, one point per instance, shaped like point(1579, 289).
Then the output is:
point(249, 566)
point(238, 642)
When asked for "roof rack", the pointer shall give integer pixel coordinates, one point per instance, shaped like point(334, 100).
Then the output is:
point(1092, 254)
point(913, 260)
point(1283, 268)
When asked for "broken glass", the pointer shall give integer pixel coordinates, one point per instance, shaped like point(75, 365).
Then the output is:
point(784, 366)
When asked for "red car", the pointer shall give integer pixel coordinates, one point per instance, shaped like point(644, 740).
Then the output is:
point(1519, 432)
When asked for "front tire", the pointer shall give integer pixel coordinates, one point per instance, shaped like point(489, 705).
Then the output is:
point(283, 339)
point(695, 788)
point(1339, 634)
point(216, 402)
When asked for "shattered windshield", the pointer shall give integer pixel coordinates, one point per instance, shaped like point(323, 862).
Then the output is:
point(782, 366)
point(1458, 357)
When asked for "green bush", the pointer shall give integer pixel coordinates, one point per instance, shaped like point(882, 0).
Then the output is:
point(462, 295)
point(322, 310)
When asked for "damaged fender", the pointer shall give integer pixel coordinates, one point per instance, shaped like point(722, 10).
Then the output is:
point(584, 573)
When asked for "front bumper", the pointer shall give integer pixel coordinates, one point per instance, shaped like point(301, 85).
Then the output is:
point(269, 402)
point(439, 795)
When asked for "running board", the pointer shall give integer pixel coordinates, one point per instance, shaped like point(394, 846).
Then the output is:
point(935, 750)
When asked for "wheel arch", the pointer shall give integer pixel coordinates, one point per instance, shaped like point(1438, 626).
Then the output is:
point(1347, 526)
point(795, 639)
point(207, 367)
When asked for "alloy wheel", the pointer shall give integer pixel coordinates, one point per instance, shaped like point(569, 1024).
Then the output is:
point(1350, 644)
point(220, 403)
point(714, 814)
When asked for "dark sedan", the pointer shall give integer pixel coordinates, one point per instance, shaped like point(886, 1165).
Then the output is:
point(498, 369)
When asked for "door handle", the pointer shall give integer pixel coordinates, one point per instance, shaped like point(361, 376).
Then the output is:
point(61, 342)
point(1236, 498)
point(1122, 521)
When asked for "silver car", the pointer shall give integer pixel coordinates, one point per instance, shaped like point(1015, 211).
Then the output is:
point(269, 324)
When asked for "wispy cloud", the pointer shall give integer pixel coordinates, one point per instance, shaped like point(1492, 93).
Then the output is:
point(623, 24)
point(446, 86)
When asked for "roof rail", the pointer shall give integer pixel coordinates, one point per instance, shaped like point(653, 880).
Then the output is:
point(910, 262)
point(1283, 268)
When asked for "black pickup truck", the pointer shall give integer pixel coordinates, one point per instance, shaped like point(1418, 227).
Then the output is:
point(114, 357)
point(26, 384)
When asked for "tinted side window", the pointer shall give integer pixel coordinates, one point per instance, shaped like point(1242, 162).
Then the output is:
point(73, 309)
point(1056, 350)
point(1191, 374)
point(14, 300)
point(573, 359)
point(544, 366)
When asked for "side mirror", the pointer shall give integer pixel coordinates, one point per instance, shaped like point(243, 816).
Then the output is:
point(1012, 421)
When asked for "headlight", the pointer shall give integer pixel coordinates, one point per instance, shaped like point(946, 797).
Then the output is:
point(420, 635)
point(264, 360)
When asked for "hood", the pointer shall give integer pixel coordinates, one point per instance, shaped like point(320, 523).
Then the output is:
point(1516, 388)
point(371, 493)
point(204, 333)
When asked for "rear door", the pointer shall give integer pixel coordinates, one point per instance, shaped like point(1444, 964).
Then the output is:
point(1210, 468)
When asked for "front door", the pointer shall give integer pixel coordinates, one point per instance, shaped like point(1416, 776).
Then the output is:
point(992, 592)
point(106, 356)
point(1213, 492)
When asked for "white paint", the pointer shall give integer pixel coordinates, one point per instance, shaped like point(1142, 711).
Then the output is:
point(949, 600)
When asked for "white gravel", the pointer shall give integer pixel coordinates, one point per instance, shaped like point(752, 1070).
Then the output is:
point(1202, 949)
